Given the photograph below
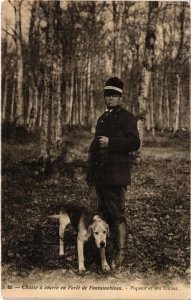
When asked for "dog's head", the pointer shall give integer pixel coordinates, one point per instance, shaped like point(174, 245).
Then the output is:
point(100, 230)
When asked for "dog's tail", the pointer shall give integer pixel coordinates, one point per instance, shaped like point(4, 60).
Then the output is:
point(54, 217)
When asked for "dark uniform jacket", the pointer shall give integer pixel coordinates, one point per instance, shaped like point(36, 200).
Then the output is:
point(111, 166)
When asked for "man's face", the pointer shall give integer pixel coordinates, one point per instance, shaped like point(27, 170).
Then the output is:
point(112, 100)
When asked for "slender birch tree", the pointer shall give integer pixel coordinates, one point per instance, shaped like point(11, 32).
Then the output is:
point(48, 28)
point(147, 65)
point(19, 98)
point(178, 63)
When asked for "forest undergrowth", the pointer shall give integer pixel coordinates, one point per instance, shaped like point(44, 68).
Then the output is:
point(157, 211)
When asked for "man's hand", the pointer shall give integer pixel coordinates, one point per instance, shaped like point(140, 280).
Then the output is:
point(103, 142)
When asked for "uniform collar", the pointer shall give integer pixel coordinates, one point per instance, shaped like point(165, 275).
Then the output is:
point(116, 108)
point(109, 110)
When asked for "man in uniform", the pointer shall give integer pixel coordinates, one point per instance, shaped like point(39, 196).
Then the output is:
point(109, 171)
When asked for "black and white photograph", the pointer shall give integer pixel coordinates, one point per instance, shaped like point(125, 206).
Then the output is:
point(95, 149)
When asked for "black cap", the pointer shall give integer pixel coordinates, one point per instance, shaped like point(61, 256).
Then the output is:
point(113, 85)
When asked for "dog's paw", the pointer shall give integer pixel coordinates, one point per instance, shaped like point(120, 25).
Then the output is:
point(106, 268)
point(82, 270)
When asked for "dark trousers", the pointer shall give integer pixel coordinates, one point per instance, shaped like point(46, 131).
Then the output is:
point(111, 203)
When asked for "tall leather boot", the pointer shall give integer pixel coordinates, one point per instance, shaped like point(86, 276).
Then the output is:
point(121, 235)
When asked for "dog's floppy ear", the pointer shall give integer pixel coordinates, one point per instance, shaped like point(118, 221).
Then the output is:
point(108, 231)
point(89, 231)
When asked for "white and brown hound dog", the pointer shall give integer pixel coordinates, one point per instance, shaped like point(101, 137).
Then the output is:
point(86, 223)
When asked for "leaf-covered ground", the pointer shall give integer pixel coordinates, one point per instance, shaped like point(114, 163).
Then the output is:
point(157, 210)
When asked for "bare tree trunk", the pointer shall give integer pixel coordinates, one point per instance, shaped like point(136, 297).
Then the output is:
point(118, 20)
point(32, 107)
point(4, 98)
point(44, 125)
point(76, 98)
point(46, 139)
point(81, 108)
point(160, 112)
point(11, 117)
point(178, 62)
point(167, 105)
point(92, 110)
point(71, 96)
point(75, 104)
point(39, 111)
point(114, 38)
point(86, 95)
point(152, 107)
point(19, 109)
point(148, 118)
point(89, 92)
point(148, 64)
point(177, 111)
point(79, 87)
point(57, 77)
point(34, 116)
point(56, 111)
point(67, 108)
point(29, 108)
point(59, 113)
point(85, 98)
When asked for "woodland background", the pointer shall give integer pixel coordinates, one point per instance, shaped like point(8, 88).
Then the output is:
point(56, 56)
point(56, 60)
